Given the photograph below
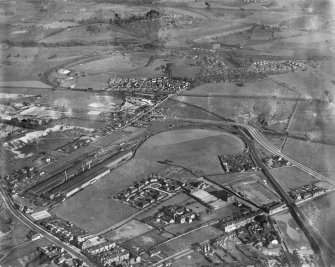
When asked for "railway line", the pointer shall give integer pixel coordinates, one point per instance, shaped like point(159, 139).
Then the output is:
point(261, 140)
point(323, 250)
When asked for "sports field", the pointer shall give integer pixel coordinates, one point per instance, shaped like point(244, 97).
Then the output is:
point(257, 192)
point(127, 231)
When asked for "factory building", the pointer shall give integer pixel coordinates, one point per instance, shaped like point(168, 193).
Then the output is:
point(66, 185)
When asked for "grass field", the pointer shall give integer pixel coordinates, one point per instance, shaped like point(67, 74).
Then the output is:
point(190, 260)
point(257, 192)
point(314, 119)
point(128, 231)
point(135, 65)
point(292, 177)
point(186, 241)
point(246, 110)
point(95, 208)
point(321, 212)
point(265, 88)
point(144, 241)
point(309, 84)
point(26, 255)
point(315, 155)
point(178, 109)
point(197, 149)
point(293, 236)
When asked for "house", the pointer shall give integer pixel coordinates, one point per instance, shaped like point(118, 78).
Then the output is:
point(35, 236)
point(93, 241)
point(101, 248)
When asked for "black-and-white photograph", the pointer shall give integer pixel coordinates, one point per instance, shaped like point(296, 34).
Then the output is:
point(156, 133)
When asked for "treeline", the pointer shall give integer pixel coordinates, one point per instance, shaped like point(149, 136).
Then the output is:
point(118, 20)
point(69, 43)
point(26, 123)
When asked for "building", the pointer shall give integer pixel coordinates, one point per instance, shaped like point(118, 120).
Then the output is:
point(101, 247)
point(114, 256)
point(275, 207)
point(79, 182)
point(35, 236)
point(73, 179)
point(93, 242)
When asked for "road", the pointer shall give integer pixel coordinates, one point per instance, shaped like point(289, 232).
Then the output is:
point(261, 139)
point(320, 246)
point(174, 256)
point(26, 221)
point(131, 217)
point(214, 95)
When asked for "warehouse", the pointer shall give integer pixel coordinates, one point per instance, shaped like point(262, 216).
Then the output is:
point(72, 186)
point(56, 180)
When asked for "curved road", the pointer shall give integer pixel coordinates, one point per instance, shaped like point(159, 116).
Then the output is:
point(26, 221)
point(320, 245)
point(261, 139)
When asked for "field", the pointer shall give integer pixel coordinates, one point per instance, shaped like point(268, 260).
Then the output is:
point(228, 178)
point(321, 212)
point(292, 177)
point(256, 191)
point(144, 241)
point(194, 148)
point(95, 207)
point(179, 244)
point(305, 83)
point(140, 64)
point(293, 236)
point(26, 255)
point(128, 231)
point(190, 260)
point(263, 88)
point(180, 109)
point(314, 119)
point(237, 39)
point(184, 69)
point(317, 156)
point(246, 110)
point(101, 40)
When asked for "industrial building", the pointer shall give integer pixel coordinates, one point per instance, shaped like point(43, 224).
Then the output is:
point(77, 183)
point(66, 185)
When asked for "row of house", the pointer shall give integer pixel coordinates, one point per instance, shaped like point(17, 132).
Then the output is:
point(59, 256)
point(21, 178)
point(305, 192)
point(276, 66)
point(163, 84)
point(230, 224)
point(109, 254)
point(148, 191)
point(65, 231)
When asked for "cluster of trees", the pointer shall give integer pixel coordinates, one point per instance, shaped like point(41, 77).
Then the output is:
point(150, 15)
point(25, 123)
